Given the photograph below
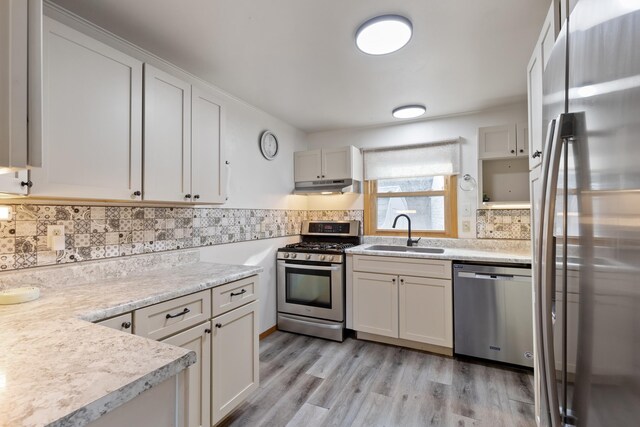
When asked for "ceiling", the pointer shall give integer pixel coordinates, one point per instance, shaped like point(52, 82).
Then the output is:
point(297, 59)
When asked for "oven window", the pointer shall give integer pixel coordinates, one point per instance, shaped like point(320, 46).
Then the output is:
point(307, 287)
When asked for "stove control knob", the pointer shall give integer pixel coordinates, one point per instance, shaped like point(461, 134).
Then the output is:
point(293, 255)
point(329, 258)
point(308, 256)
point(322, 257)
point(286, 255)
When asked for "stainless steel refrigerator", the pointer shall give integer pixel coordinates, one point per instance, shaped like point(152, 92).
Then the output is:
point(588, 238)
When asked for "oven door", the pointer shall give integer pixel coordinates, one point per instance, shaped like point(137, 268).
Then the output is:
point(311, 290)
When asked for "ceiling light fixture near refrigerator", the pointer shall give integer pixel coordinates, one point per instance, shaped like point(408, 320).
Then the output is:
point(409, 111)
point(384, 34)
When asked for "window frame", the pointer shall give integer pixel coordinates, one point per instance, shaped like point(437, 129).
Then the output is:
point(450, 206)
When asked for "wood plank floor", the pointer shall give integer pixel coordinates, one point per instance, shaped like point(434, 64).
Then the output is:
point(312, 382)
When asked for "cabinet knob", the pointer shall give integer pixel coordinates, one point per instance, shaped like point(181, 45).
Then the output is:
point(27, 184)
point(538, 153)
point(318, 176)
point(207, 331)
point(323, 176)
point(196, 196)
point(402, 281)
point(393, 280)
point(521, 150)
point(218, 325)
point(187, 196)
point(137, 193)
point(126, 325)
point(513, 151)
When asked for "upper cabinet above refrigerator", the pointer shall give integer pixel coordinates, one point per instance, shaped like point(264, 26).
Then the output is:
point(20, 83)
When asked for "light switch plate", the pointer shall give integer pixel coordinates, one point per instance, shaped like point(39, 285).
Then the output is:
point(55, 237)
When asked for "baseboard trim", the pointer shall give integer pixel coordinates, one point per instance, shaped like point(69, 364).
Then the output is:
point(445, 351)
point(268, 332)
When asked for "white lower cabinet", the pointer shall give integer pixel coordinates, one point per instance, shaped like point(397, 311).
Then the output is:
point(226, 371)
point(412, 308)
point(426, 310)
point(197, 339)
point(375, 304)
point(234, 359)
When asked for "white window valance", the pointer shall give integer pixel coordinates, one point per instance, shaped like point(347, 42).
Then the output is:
point(429, 159)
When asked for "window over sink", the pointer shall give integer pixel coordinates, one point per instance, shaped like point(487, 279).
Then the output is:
point(418, 181)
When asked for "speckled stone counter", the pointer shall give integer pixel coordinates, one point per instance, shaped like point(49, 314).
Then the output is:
point(495, 251)
point(58, 369)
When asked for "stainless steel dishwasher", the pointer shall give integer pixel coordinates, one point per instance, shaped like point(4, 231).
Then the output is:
point(493, 313)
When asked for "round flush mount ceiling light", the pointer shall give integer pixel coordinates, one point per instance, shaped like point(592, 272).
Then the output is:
point(384, 34)
point(409, 111)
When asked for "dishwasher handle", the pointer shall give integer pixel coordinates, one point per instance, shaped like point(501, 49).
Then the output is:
point(489, 276)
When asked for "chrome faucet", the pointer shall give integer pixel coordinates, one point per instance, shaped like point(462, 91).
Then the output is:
point(410, 241)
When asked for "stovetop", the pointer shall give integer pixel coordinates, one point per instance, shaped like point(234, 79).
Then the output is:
point(314, 246)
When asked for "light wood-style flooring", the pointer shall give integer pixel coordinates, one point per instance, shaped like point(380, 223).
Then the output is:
point(312, 382)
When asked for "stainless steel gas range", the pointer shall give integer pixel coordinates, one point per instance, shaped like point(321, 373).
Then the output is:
point(311, 279)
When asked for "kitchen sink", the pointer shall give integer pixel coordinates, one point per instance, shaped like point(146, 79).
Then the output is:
point(405, 249)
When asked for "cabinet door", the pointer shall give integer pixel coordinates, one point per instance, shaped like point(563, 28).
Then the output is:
point(307, 165)
point(426, 313)
point(197, 339)
point(13, 83)
point(92, 118)
point(11, 183)
point(497, 141)
point(336, 163)
point(534, 97)
point(522, 140)
point(234, 359)
point(167, 137)
point(375, 304)
point(208, 180)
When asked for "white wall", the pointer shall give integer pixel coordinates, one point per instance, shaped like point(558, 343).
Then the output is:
point(463, 126)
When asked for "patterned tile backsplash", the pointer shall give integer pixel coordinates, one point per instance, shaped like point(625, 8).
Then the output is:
point(503, 224)
point(96, 232)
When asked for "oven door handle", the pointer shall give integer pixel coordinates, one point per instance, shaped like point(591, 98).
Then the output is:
point(313, 267)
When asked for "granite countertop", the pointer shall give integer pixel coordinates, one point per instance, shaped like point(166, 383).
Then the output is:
point(58, 369)
point(496, 255)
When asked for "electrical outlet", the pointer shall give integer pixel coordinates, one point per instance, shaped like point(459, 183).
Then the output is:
point(466, 209)
point(466, 226)
point(55, 237)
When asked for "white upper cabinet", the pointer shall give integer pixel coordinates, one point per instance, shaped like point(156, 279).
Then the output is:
point(308, 165)
point(328, 164)
point(167, 137)
point(92, 130)
point(535, 69)
point(20, 83)
point(499, 142)
point(208, 178)
point(15, 182)
point(336, 163)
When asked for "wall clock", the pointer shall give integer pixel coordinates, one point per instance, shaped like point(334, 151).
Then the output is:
point(269, 145)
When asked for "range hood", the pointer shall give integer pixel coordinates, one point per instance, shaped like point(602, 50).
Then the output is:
point(332, 186)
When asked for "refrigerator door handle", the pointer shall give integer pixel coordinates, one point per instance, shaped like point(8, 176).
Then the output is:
point(546, 276)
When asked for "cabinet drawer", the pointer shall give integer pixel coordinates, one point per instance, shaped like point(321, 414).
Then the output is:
point(161, 320)
point(122, 323)
point(233, 295)
point(438, 269)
